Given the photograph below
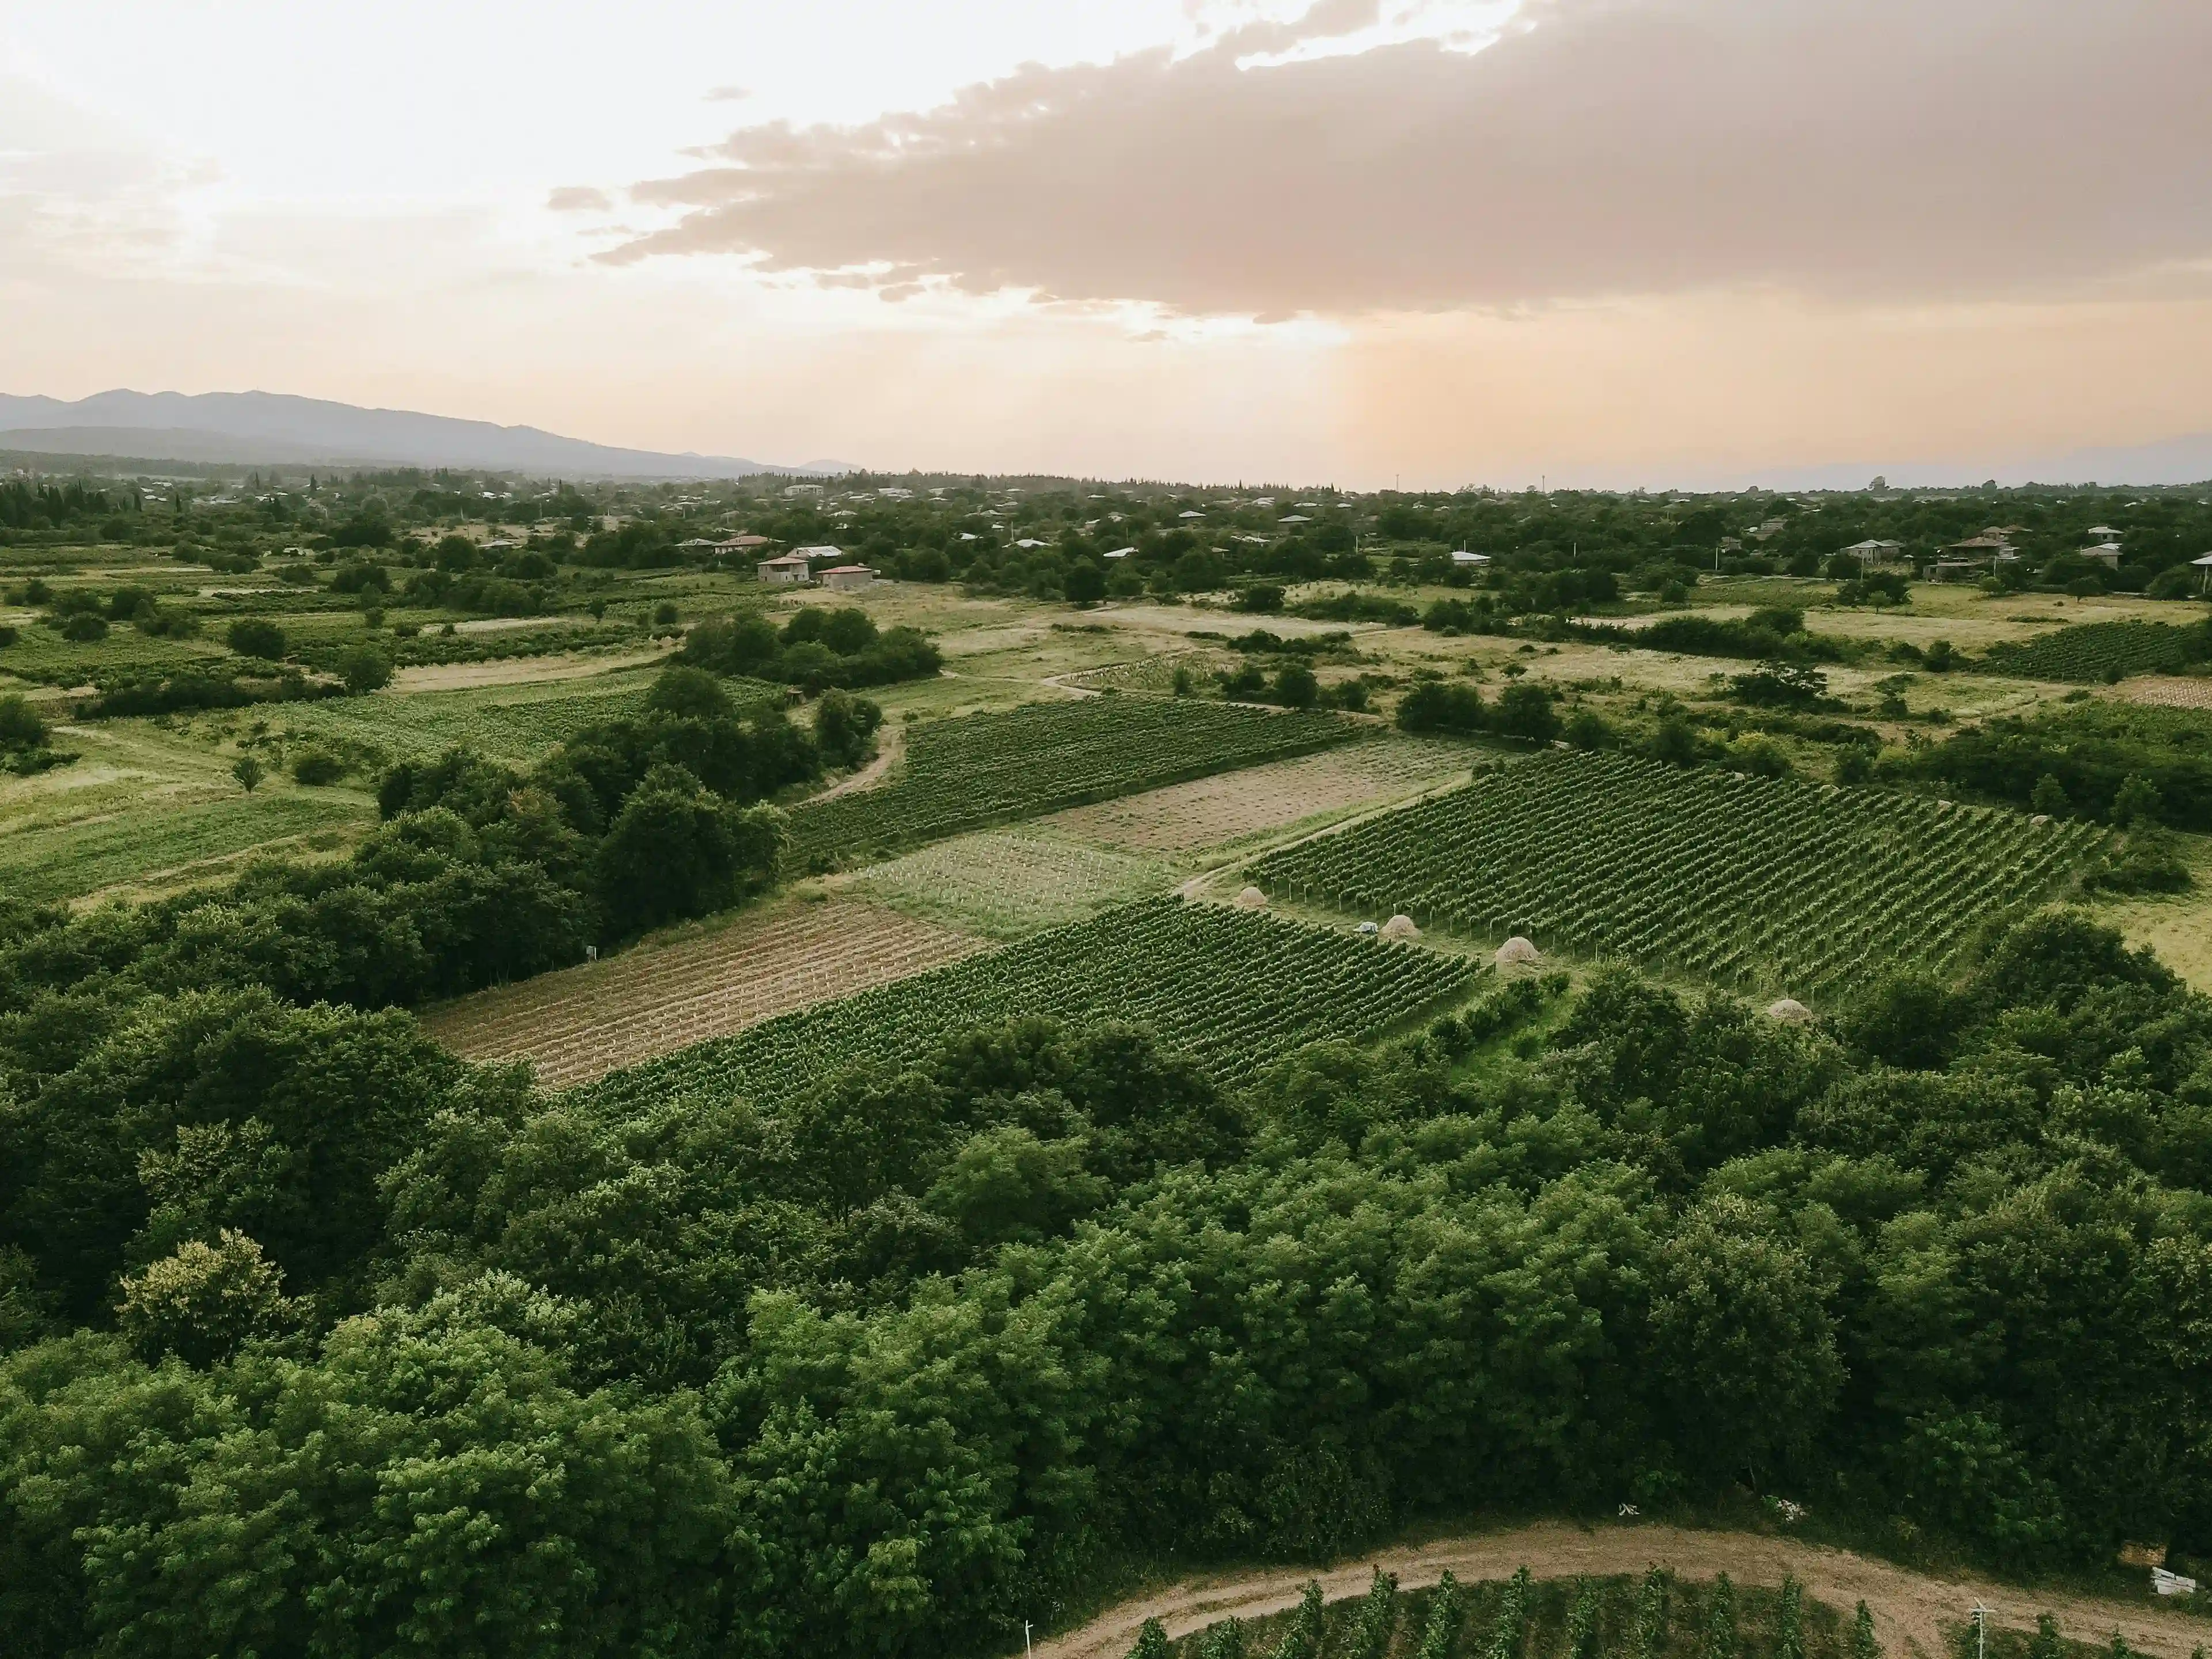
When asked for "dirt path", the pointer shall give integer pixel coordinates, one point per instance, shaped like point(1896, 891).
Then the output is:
point(1911, 1611)
point(888, 747)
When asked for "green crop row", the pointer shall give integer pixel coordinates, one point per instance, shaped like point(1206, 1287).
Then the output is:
point(1796, 887)
point(981, 769)
point(2093, 652)
point(69, 860)
point(1234, 989)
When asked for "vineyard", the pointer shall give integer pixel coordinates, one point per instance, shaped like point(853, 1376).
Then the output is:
point(1796, 887)
point(1235, 990)
point(583, 1022)
point(981, 770)
point(1656, 1615)
point(69, 860)
point(2091, 652)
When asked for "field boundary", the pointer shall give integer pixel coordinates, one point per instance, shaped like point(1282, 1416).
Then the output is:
point(1911, 1610)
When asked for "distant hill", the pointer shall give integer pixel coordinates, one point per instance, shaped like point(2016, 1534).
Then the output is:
point(269, 426)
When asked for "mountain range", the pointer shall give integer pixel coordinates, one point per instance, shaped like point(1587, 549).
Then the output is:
point(271, 427)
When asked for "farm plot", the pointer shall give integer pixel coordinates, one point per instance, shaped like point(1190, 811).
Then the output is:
point(2102, 650)
point(1008, 883)
point(581, 1022)
point(1797, 887)
point(519, 723)
point(1235, 989)
point(69, 860)
point(981, 769)
point(1155, 674)
point(2175, 691)
point(1211, 811)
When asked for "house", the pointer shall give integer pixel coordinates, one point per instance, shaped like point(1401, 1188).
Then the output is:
point(696, 544)
point(2105, 553)
point(802, 489)
point(2203, 568)
point(1190, 513)
point(1031, 541)
point(824, 552)
point(1872, 554)
point(1773, 527)
point(2102, 532)
point(1294, 517)
point(786, 567)
point(1121, 552)
point(890, 494)
point(848, 578)
point(1469, 561)
point(740, 543)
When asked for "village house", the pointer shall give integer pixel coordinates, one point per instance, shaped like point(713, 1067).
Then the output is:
point(848, 578)
point(785, 567)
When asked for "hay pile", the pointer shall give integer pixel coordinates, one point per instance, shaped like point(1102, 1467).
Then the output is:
point(1400, 926)
point(1251, 899)
point(1516, 951)
point(1789, 1012)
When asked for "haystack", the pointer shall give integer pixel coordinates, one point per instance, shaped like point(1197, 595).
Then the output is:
point(1515, 951)
point(1401, 927)
point(1251, 899)
point(1789, 1012)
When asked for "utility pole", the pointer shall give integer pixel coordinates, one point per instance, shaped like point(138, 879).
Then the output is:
point(1026, 1638)
point(1981, 1631)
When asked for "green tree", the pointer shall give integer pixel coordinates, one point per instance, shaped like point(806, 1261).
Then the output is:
point(1295, 686)
point(1152, 1641)
point(1084, 584)
point(1525, 711)
point(364, 668)
point(201, 1302)
point(1742, 1345)
point(250, 636)
point(2050, 796)
point(2137, 804)
point(677, 850)
point(247, 770)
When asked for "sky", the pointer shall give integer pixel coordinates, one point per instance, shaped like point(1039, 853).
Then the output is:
point(1428, 242)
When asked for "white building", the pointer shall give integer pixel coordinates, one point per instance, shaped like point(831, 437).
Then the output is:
point(1871, 553)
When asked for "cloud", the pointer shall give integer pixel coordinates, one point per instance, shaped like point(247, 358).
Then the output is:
point(728, 95)
point(579, 198)
point(1874, 151)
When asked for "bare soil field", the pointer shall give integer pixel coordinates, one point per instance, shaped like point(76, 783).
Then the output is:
point(1211, 811)
point(581, 1022)
point(2168, 690)
point(1911, 1611)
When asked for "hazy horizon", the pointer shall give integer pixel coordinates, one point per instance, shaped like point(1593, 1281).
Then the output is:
point(1668, 242)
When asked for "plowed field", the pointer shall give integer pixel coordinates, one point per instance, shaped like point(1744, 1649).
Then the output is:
point(584, 1022)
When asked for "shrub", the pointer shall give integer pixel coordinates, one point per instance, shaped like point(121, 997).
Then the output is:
point(250, 636)
point(20, 726)
point(317, 768)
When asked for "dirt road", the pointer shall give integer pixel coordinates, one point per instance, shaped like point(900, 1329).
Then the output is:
point(1909, 1610)
point(890, 744)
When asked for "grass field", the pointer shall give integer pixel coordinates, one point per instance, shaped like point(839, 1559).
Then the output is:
point(72, 859)
point(1211, 811)
point(1008, 883)
point(659, 996)
point(1235, 989)
point(1794, 888)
